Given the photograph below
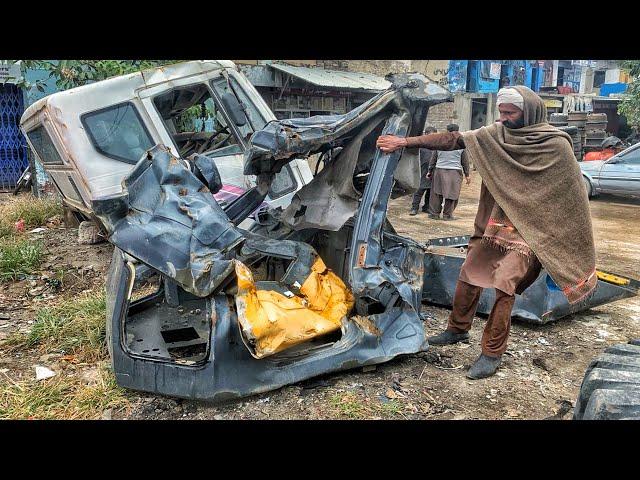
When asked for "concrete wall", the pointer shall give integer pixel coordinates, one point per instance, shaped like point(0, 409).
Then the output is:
point(440, 116)
point(375, 67)
point(612, 75)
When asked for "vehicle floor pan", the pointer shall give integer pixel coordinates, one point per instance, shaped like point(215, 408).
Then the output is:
point(229, 371)
point(162, 331)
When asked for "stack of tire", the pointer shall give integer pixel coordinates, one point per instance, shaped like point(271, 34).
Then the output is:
point(579, 120)
point(596, 130)
point(559, 120)
point(611, 386)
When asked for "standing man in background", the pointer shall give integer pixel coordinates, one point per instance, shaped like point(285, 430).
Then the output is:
point(446, 169)
point(426, 156)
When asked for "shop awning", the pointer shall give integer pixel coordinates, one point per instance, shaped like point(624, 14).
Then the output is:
point(335, 79)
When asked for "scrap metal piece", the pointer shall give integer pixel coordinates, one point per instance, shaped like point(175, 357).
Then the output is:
point(332, 198)
point(272, 321)
point(169, 220)
point(540, 303)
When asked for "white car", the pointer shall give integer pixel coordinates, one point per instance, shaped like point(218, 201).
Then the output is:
point(89, 138)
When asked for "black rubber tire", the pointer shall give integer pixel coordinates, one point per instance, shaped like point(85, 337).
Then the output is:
point(610, 389)
point(588, 187)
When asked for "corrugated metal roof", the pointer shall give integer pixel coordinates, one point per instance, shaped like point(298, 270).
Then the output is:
point(335, 78)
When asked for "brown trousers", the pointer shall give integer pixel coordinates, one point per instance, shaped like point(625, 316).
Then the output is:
point(496, 331)
point(435, 205)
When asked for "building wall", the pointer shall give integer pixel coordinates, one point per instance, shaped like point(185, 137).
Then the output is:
point(375, 67)
point(441, 115)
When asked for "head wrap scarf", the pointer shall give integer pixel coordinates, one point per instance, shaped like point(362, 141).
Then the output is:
point(512, 96)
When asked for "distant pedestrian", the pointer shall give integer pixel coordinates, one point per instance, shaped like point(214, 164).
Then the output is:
point(447, 169)
point(424, 189)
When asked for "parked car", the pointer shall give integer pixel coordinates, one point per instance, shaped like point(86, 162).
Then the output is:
point(619, 174)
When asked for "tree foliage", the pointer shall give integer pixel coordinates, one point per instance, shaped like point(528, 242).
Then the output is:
point(630, 105)
point(74, 73)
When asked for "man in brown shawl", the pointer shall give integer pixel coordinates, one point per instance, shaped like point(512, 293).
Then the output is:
point(533, 212)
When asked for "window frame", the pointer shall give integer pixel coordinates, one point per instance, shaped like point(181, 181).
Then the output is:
point(217, 103)
point(35, 150)
point(624, 155)
point(83, 120)
point(234, 129)
point(290, 189)
point(632, 158)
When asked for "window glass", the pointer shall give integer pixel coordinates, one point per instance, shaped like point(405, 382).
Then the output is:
point(632, 157)
point(282, 183)
point(231, 172)
point(118, 132)
point(44, 147)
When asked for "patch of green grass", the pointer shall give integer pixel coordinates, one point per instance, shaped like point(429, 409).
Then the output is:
point(34, 211)
point(6, 228)
point(392, 409)
point(75, 326)
point(19, 257)
point(348, 405)
point(61, 397)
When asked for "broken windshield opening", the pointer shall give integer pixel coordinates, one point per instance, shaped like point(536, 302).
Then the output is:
point(196, 122)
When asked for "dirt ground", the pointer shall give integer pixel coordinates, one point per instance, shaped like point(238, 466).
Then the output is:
point(539, 378)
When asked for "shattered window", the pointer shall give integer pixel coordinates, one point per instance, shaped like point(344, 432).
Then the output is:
point(118, 132)
point(195, 121)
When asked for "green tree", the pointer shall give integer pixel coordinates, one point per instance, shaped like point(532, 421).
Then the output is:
point(630, 105)
point(74, 73)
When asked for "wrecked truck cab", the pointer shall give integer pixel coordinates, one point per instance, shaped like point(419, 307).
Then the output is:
point(90, 138)
point(201, 308)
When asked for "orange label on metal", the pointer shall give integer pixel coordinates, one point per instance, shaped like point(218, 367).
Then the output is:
point(362, 253)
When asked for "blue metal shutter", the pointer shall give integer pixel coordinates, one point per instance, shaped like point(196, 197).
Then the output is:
point(13, 148)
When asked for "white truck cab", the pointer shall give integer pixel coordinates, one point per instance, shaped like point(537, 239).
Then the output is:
point(90, 137)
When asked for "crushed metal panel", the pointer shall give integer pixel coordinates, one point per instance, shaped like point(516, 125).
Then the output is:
point(383, 270)
point(331, 198)
point(169, 220)
point(540, 303)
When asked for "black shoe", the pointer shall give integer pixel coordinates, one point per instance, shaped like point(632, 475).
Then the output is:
point(448, 338)
point(435, 217)
point(484, 367)
point(414, 211)
point(449, 217)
